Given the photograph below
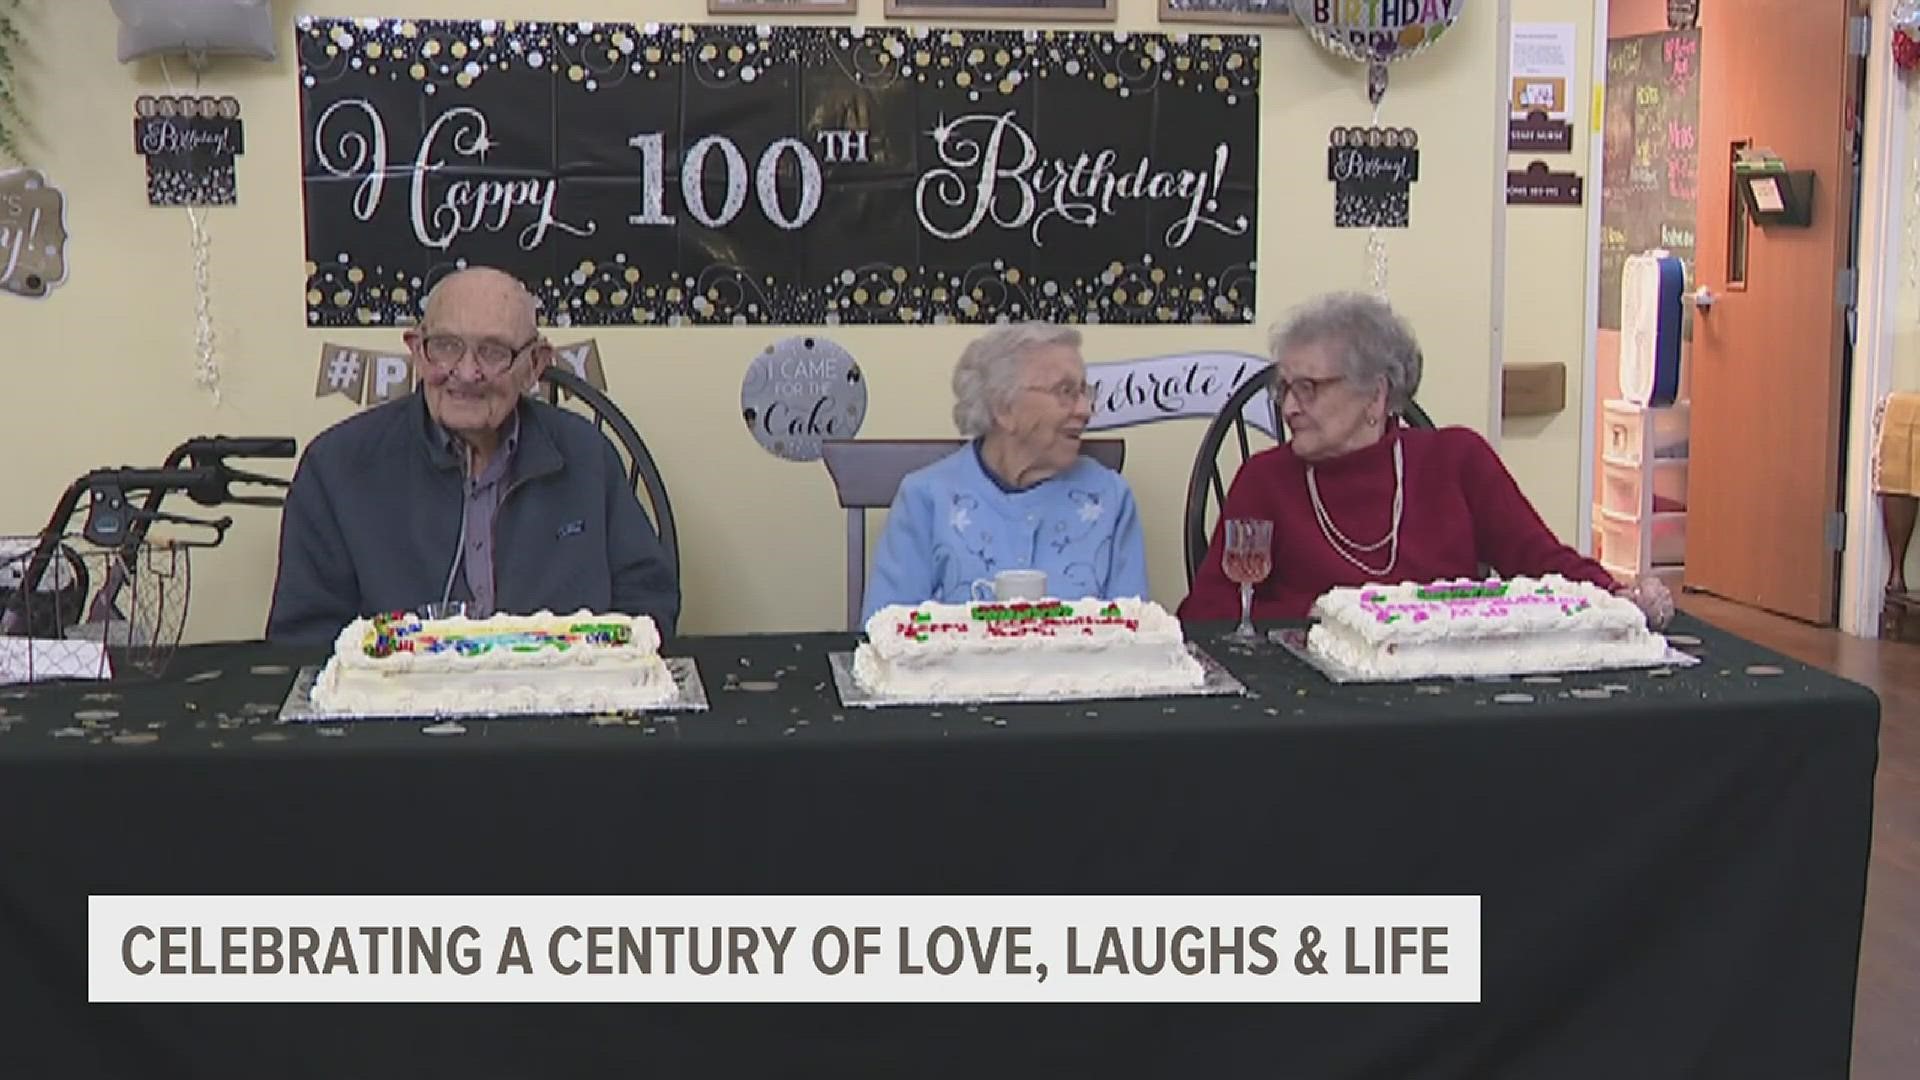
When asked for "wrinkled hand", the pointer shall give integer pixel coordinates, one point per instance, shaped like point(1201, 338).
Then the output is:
point(1650, 595)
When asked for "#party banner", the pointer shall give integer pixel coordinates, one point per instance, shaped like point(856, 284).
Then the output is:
point(718, 174)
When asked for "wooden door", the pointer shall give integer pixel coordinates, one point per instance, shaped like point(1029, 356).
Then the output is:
point(1767, 364)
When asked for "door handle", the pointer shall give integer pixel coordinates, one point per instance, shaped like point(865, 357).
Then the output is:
point(1701, 298)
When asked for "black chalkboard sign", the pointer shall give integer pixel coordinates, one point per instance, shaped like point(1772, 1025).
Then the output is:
point(1652, 155)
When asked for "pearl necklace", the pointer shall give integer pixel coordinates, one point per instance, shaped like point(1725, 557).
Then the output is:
point(1340, 542)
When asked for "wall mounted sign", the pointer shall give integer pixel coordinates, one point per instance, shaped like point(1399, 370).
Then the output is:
point(1683, 14)
point(800, 391)
point(1540, 105)
point(1537, 133)
point(1536, 186)
point(721, 174)
point(1127, 393)
point(377, 376)
point(1373, 170)
point(190, 144)
point(33, 234)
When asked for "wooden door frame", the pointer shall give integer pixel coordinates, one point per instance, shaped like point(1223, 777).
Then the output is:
point(1863, 561)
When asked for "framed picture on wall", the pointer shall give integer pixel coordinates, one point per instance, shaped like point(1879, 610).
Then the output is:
point(1238, 12)
point(782, 7)
point(1027, 10)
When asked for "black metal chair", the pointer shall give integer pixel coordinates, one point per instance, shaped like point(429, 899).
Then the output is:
point(560, 387)
point(1207, 487)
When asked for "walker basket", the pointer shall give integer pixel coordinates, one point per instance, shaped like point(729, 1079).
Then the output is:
point(96, 612)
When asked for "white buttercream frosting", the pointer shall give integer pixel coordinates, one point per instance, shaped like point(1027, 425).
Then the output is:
point(506, 664)
point(1518, 626)
point(1042, 648)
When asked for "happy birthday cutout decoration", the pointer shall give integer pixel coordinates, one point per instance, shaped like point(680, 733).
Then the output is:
point(33, 234)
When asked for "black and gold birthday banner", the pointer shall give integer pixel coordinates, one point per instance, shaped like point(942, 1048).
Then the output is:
point(717, 174)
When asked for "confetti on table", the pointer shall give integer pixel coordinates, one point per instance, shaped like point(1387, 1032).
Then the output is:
point(1682, 639)
point(760, 686)
point(270, 736)
point(1764, 669)
point(446, 727)
point(1514, 699)
point(1591, 694)
point(104, 695)
point(136, 738)
point(331, 732)
point(270, 669)
point(204, 676)
point(607, 721)
point(1541, 680)
point(1660, 673)
point(95, 716)
point(69, 733)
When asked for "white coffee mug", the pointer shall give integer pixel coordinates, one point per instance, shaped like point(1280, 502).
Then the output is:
point(1013, 585)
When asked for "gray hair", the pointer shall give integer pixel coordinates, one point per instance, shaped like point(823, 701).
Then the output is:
point(1370, 341)
point(988, 373)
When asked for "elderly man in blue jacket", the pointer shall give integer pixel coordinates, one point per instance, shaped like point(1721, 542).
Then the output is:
point(466, 490)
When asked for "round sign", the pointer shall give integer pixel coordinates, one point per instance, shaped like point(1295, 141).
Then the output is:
point(799, 392)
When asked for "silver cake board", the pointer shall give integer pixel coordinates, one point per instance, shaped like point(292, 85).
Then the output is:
point(1219, 682)
point(1294, 640)
point(690, 696)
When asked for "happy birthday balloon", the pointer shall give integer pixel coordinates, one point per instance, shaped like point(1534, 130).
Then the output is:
point(1377, 32)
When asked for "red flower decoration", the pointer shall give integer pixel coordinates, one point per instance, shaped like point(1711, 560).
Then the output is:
point(1906, 49)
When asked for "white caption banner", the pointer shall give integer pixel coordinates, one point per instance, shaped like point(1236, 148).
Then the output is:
point(783, 948)
point(1127, 393)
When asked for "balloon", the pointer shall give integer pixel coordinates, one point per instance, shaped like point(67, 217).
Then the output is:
point(1377, 31)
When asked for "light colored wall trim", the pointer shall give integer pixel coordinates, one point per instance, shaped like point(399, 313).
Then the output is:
point(1497, 302)
point(1589, 363)
point(1863, 565)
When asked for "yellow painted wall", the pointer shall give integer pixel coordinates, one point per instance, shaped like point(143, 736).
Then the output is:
point(102, 371)
point(1546, 290)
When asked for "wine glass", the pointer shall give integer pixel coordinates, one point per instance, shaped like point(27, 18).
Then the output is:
point(1248, 558)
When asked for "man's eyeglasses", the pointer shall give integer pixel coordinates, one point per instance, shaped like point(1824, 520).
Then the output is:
point(445, 351)
point(1303, 389)
point(1067, 393)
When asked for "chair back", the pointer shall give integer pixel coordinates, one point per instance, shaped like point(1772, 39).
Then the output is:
point(866, 476)
point(1207, 483)
point(565, 389)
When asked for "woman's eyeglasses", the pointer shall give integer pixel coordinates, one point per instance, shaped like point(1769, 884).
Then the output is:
point(1303, 389)
point(1067, 393)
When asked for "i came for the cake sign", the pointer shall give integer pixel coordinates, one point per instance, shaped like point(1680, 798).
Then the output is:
point(1466, 599)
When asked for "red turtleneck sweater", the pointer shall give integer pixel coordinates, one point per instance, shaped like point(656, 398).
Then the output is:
point(1461, 510)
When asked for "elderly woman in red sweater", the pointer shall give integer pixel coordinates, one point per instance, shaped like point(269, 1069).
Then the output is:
point(1355, 497)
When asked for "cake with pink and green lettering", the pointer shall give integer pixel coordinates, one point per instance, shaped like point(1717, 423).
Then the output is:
point(1468, 627)
point(1026, 649)
point(404, 665)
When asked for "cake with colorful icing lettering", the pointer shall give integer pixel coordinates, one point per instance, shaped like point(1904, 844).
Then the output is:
point(1520, 626)
point(403, 665)
point(1039, 649)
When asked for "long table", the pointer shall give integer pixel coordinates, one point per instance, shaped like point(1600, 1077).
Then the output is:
point(1672, 878)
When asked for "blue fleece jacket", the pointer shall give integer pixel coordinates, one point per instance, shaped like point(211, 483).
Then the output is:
point(953, 522)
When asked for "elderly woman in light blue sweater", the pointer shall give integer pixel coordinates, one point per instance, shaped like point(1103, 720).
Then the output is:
point(1019, 495)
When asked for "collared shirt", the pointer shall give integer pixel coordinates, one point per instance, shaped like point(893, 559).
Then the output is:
point(482, 504)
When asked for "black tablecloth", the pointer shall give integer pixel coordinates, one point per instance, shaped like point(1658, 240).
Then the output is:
point(1672, 877)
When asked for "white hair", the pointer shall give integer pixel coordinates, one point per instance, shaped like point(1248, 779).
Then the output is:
point(1370, 341)
point(988, 373)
